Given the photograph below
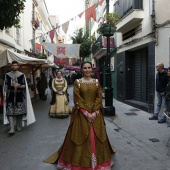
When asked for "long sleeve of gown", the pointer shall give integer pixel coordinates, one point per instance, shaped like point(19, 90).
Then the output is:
point(53, 87)
point(98, 103)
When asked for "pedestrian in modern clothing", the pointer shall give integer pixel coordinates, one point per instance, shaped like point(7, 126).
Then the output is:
point(162, 80)
point(67, 77)
point(86, 145)
point(17, 98)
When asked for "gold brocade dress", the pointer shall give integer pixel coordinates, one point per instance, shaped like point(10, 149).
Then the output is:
point(59, 108)
point(86, 145)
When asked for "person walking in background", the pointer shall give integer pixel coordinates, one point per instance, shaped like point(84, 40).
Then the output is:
point(59, 103)
point(43, 86)
point(15, 94)
point(86, 145)
point(161, 84)
point(50, 84)
point(38, 86)
point(67, 77)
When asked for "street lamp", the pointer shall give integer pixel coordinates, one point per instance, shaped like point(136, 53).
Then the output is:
point(109, 109)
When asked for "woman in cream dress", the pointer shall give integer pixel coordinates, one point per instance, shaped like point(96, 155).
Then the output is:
point(59, 104)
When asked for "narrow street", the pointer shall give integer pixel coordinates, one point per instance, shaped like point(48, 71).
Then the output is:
point(140, 143)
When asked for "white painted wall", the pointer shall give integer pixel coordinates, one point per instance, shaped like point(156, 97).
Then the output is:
point(162, 11)
point(25, 30)
point(27, 26)
point(162, 48)
point(146, 29)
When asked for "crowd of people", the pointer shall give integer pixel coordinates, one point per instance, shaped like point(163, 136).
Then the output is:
point(86, 132)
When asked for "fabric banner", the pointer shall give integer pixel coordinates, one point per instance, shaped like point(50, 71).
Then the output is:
point(63, 50)
point(65, 27)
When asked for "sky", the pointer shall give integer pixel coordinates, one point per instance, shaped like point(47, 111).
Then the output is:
point(65, 9)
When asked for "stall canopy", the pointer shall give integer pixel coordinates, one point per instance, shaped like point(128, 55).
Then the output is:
point(7, 56)
point(77, 68)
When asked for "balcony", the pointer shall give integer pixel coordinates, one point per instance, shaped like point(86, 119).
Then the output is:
point(130, 21)
point(99, 48)
point(35, 21)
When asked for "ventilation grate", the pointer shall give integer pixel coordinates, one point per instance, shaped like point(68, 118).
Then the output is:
point(154, 140)
point(134, 109)
point(131, 114)
point(117, 130)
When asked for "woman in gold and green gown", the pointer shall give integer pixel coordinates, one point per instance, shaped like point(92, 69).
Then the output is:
point(86, 145)
point(59, 104)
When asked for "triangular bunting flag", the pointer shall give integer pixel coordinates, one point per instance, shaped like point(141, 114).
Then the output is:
point(65, 27)
point(80, 15)
point(90, 13)
point(100, 2)
point(52, 34)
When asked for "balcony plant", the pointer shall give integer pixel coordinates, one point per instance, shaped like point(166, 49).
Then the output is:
point(107, 27)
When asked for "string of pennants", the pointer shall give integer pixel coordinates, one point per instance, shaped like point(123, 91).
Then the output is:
point(89, 13)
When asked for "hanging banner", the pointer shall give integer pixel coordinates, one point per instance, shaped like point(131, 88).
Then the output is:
point(63, 50)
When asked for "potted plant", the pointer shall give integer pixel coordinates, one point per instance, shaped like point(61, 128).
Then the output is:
point(107, 27)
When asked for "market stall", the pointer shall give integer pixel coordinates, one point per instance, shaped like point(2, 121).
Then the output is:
point(27, 65)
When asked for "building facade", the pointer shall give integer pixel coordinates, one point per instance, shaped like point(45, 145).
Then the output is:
point(18, 38)
point(136, 53)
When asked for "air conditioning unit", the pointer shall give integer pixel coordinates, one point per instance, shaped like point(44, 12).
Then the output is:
point(104, 42)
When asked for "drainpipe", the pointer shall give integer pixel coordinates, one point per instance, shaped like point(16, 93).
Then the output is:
point(154, 28)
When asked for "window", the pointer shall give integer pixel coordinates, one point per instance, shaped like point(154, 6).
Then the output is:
point(18, 36)
point(132, 32)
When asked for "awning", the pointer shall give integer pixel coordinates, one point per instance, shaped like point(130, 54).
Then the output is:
point(7, 56)
point(77, 68)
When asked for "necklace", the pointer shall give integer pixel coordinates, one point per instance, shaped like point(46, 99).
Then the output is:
point(87, 80)
point(59, 80)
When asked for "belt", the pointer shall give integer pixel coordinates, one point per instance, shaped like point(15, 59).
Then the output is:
point(14, 91)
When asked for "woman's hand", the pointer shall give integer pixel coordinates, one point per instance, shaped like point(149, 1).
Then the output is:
point(60, 92)
point(91, 117)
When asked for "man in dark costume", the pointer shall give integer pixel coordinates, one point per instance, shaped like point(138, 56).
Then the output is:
point(16, 98)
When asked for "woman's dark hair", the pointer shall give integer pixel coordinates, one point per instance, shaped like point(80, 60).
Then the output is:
point(59, 72)
point(86, 63)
